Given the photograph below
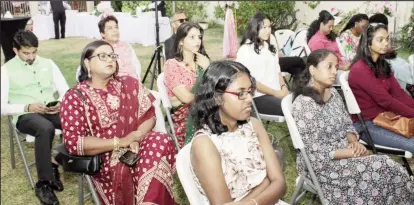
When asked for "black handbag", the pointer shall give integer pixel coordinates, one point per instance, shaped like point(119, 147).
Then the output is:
point(75, 163)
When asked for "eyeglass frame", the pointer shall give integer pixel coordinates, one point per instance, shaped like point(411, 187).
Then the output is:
point(107, 55)
point(181, 20)
point(239, 94)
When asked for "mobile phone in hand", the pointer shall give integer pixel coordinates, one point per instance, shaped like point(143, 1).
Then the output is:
point(51, 104)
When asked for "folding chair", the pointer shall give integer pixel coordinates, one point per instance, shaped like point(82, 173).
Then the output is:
point(14, 133)
point(302, 181)
point(300, 45)
point(282, 36)
point(268, 119)
point(353, 108)
point(185, 175)
point(167, 107)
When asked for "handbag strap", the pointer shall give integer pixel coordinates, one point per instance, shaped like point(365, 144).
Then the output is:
point(86, 107)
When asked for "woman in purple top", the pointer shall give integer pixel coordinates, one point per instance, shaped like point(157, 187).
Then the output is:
point(320, 36)
point(376, 89)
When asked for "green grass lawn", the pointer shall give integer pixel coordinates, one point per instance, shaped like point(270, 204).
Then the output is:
point(15, 188)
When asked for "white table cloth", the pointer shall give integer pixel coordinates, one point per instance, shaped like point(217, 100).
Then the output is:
point(139, 29)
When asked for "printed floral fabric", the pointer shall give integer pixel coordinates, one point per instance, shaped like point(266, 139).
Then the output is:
point(375, 179)
point(242, 160)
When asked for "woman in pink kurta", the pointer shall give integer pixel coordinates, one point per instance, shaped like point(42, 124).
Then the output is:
point(320, 36)
point(119, 108)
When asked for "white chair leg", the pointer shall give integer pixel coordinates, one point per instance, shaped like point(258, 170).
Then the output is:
point(92, 190)
point(26, 166)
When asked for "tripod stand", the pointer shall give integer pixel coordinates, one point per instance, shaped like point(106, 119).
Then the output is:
point(156, 57)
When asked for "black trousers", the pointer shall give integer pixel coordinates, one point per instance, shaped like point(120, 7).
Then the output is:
point(292, 64)
point(59, 17)
point(42, 127)
point(267, 104)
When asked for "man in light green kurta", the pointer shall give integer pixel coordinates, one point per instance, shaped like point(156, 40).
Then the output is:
point(28, 82)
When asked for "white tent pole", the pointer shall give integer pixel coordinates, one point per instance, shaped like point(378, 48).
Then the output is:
point(173, 7)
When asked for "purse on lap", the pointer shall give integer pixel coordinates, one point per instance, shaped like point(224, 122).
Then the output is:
point(75, 163)
point(396, 123)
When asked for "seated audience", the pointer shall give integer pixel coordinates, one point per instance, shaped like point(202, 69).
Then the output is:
point(320, 35)
point(28, 83)
point(376, 89)
point(350, 34)
point(177, 19)
point(107, 115)
point(343, 166)
point(182, 75)
point(232, 159)
point(260, 58)
point(128, 61)
point(400, 67)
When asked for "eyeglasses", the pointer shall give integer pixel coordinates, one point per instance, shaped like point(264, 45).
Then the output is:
point(181, 20)
point(104, 56)
point(242, 95)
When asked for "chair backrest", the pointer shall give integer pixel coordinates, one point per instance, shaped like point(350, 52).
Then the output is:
point(183, 164)
point(300, 46)
point(163, 91)
point(350, 100)
point(293, 130)
point(160, 123)
point(411, 61)
point(282, 36)
point(77, 74)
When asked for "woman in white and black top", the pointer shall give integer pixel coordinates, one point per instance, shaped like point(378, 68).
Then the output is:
point(260, 58)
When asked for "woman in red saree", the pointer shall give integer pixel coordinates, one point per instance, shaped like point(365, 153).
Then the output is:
point(121, 117)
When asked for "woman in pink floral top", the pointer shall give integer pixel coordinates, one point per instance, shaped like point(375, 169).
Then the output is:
point(320, 36)
point(349, 36)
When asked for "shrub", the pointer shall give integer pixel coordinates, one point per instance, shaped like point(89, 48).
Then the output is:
point(195, 10)
point(407, 34)
point(281, 13)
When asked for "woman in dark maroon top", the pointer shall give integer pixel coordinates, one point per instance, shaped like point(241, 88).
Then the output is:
point(376, 89)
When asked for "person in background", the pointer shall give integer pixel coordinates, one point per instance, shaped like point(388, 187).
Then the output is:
point(400, 67)
point(263, 63)
point(28, 83)
point(182, 75)
point(177, 19)
point(350, 34)
point(128, 60)
point(232, 158)
point(345, 170)
point(376, 89)
point(117, 116)
point(320, 35)
point(59, 16)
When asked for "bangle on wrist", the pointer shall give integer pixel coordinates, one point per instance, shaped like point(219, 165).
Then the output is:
point(116, 143)
point(255, 202)
point(28, 108)
point(281, 87)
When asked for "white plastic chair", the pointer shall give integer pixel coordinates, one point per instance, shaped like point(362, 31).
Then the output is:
point(167, 106)
point(300, 46)
point(353, 108)
point(282, 36)
point(14, 135)
point(183, 164)
point(411, 61)
point(302, 181)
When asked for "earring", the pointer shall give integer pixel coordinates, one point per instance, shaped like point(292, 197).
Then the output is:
point(311, 83)
point(89, 74)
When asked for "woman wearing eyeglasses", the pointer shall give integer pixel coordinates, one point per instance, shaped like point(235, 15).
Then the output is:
point(182, 74)
point(376, 89)
point(117, 116)
point(232, 159)
point(262, 61)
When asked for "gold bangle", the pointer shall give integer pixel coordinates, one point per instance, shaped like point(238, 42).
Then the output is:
point(253, 200)
point(116, 143)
